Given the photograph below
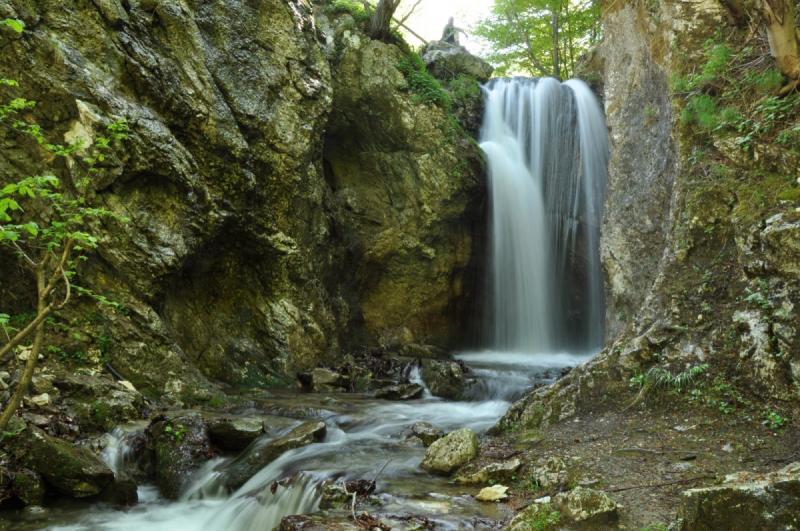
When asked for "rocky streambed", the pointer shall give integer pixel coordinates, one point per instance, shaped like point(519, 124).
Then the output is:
point(309, 460)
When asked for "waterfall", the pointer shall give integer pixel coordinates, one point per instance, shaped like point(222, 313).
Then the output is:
point(546, 146)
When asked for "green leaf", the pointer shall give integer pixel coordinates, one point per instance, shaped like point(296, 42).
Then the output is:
point(31, 228)
point(14, 24)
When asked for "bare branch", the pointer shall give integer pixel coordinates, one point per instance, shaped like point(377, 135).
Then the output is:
point(25, 332)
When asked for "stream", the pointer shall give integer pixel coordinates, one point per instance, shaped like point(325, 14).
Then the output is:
point(366, 439)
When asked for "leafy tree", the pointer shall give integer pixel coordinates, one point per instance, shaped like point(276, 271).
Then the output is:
point(540, 37)
point(49, 226)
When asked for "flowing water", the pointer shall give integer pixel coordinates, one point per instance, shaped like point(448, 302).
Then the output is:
point(365, 438)
point(546, 148)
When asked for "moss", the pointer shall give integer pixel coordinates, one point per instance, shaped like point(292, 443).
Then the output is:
point(790, 195)
point(421, 83)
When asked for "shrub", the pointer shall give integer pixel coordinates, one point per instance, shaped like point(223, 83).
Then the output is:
point(421, 83)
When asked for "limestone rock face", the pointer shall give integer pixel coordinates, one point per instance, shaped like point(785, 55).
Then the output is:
point(408, 188)
point(451, 452)
point(446, 60)
point(278, 212)
point(745, 501)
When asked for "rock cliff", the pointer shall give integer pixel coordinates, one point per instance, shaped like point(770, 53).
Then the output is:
point(288, 200)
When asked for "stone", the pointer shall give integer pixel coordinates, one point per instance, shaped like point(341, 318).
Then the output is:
point(5, 376)
point(426, 432)
point(746, 500)
point(42, 400)
point(42, 383)
point(586, 506)
point(235, 433)
point(495, 493)
point(550, 474)
point(180, 444)
point(29, 487)
point(401, 392)
point(491, 473)
point(446, 61)
point(124, 492)
point(325, 380)
point(444, 378)
point(262, 452)
point(98, 403)
point(70, 470)
point(451, 452)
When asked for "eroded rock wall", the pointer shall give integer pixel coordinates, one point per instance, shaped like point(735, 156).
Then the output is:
point(244, 260)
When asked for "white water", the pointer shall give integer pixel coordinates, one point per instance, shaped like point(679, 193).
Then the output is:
point(547, 149)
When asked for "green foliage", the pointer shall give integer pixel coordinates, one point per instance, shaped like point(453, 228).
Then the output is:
point(464, 87)
point(660, 378)
point(178, 432)
point(774, 420)
point(16, 25)
point(421, 83)
point(655, 527)
point(520, 33)
point(543, 518)
point(353, 7)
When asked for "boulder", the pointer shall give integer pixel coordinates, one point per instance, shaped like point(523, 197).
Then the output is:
point(70, 470)
point(586, 507)
point(444, 378)
point(447, 61)
point(426, 432)
point(451, 452)
point(746, 500)
point(492, 473)
point(98, 403)
point(325, 380)
point(180, 443)
point(28, 486)
point(495, 493)
point(235, 433)
point(401, 392)
point(263, 451)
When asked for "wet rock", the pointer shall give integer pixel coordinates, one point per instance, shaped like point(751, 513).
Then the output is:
point(401, 392)
point(415, 350)
point(444, 378)
point(124, 492)
point(492, 473)
point(494, 493)
point(586, 507)
point(70, 470)
point(426, 432)
point(746, 500)
point(28, 486)
point(263, 451)
point(316, 523)
point(340, 495)
point(451, 452)
point(180, 443)
point(325, 380)
point(235, 433)
point(447, 61)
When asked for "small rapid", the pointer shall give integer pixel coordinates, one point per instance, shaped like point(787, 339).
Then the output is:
point(366, 439)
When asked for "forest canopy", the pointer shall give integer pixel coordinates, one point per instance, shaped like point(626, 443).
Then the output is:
point(540, 37)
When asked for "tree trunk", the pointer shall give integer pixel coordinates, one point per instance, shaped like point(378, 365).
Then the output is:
point(556, 51)
point(380, 25)
point(779, 16)
point(33, 357)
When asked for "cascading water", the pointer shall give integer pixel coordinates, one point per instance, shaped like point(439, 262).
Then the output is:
point(547, 150)
point(546, 147)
